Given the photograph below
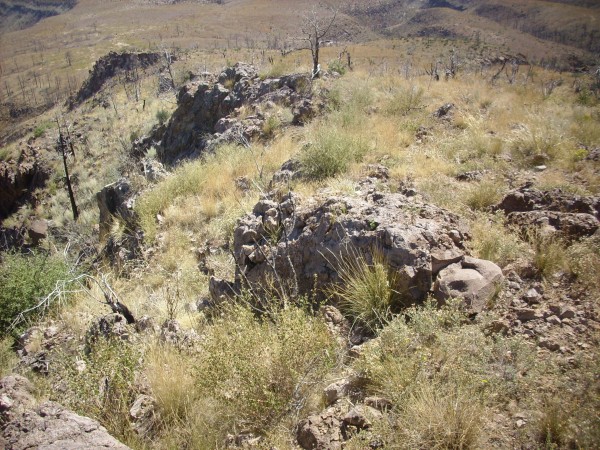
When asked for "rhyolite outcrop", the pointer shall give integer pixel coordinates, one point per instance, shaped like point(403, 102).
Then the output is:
point(208, 110)
point(295, 247)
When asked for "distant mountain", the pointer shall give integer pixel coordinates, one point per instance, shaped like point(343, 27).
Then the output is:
point(20, 14)
point(571, 23)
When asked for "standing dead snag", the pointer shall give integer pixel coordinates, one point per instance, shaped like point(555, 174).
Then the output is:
point(314, 29)
point(62, 146)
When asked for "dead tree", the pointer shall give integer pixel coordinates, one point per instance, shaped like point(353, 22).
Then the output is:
point(62, 147)
point(314, 29)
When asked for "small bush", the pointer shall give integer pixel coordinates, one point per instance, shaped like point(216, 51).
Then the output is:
point(440, 372)
point(162, 115)
point(40, 130)
point(252, 374)
point(403, 101)
point(25, 280)
point(584, 262)
point(493, 241)
point(271, 125)
point(331, 153)
point(550, 254)
point(337, 66)
point(102, 387)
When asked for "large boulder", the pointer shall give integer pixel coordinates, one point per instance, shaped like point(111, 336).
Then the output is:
point(473, 280)
point(48, 426)
point(298, 247)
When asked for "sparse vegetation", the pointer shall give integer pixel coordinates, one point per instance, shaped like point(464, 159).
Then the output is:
point(331, 152)
point(255, 366)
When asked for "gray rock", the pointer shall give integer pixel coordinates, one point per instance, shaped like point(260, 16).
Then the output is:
point(143, 414)
point(48, 426)
point(361, 416)
point(337, 390)
point(527, 314)
point(312, 240)
point(320, 431)
point(474, 280)
point(532, 296)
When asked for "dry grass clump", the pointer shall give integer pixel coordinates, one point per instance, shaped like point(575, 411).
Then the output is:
point(483, 195)
point(366, 293)
point(331, 151)
point(403, 101)
point(251, 375)
point(492, 240)
point(441, 374)
point(99, 383)
point(549, 253)
point(584, 262)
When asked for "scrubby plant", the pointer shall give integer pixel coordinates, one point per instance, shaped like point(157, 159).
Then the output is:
point(549, 252)
point(99, 383)
point(492, 240)
point(25, 281)
point(584, 262)
point(440, 373)
point(404, 100)
point(271, 125)
point(331, 152)
point(337, 66)
point(483, 195)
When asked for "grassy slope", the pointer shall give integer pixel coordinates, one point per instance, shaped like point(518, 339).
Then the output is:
point(200, 202)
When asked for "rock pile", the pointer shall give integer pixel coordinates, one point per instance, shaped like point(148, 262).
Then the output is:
point(208, 109)
point(572, 216)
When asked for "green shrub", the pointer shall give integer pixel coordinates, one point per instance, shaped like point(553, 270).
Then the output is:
point(25, 280)
point(550, 253)
point(162, 115)
point(440, 372)
point(483, 195)
point(331, 152)
point(40, 130)
point(337, 66)
point(103, 387)
point(493, 241)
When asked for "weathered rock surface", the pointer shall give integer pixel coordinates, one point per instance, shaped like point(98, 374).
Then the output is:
point(48, 426)
point(321, 431)
point(474, 280)
point(300, 246)
point(572, 216)
point(207, 112)
point(19, 178)
point(116, 202)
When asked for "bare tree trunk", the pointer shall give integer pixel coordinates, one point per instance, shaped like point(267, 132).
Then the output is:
point(62, 146)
